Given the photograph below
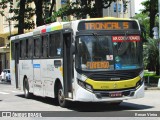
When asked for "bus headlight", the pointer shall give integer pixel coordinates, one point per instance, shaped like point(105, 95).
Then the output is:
point(85, 85)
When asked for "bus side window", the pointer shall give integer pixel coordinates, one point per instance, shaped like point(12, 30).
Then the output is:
point(22, 49)
point(37, 50)
point(20, 54)
point(51, 45)
point(44, 46)
point(30, 43)
point(57, 45)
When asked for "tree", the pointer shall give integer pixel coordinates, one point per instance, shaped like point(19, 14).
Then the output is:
point(6, 5)
point(151, 7)
point(39, 12)
point(144, 21)
point(24, 12)
point(151, 55)
point(82, 8)
point(21, 17)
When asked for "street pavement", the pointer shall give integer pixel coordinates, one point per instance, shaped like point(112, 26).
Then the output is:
point(12, 99)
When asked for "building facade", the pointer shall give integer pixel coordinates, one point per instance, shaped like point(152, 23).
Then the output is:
point(121, 9)
point(6, 28)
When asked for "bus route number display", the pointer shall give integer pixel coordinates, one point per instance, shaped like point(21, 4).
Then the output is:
point(107, 25)
point(98, 65)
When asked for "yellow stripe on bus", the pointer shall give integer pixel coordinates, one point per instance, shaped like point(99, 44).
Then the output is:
point(109, 85)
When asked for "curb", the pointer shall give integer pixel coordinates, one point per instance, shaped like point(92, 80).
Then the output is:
point(151, 88)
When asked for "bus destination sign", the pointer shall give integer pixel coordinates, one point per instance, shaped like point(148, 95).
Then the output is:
point(107, 25)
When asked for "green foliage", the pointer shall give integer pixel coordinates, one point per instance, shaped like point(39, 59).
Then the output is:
point(150, 48)
point(151, 8)
point(151, 55)
point(144, 21)
point(47, 8)
point(4, 5)
point(28, 13)
point(82, 8)
point(79, 9)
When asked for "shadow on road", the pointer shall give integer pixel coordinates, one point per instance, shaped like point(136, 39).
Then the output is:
point(93, 107)
point(102, 107)
point(45, 100)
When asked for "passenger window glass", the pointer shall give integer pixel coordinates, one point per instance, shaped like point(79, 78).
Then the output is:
point(30, 43)
point(37, 50)
point(55, 45)
point(44, 46)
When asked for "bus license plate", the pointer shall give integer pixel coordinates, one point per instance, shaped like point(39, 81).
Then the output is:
point(115, 94)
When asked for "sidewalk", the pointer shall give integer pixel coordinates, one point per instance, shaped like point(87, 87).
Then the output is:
point(151, 88)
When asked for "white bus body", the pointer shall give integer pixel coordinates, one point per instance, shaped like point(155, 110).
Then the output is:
point(46, 75)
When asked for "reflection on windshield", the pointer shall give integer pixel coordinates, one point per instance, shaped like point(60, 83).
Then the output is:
point(127, 55)
point(105, 53)
point(95, 52)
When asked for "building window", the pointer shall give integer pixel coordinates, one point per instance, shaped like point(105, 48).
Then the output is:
point(115, 7)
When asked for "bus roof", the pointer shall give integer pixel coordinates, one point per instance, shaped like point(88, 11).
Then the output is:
point(60, 25)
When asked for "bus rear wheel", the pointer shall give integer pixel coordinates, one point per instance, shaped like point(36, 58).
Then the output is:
point(61, 98)
point(27, 94)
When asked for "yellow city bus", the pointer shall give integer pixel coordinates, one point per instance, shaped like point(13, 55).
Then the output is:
point(89, 60)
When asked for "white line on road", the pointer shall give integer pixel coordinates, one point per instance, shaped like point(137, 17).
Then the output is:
point(17, 92)
point(4, 93)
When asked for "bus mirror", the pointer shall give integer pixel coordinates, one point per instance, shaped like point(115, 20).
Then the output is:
point(73, 48)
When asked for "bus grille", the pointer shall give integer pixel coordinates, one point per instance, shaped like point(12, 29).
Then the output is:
point(114, 76)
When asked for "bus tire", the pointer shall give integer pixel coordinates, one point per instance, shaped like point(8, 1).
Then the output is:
point(27, 94)
point(61, 98)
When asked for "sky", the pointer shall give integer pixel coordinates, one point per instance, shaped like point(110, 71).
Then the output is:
point(138, 5)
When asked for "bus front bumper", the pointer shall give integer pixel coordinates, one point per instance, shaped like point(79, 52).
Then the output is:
point(87, 96)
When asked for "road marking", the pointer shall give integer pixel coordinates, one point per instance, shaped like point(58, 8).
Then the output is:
point(17, 92)
point(4, 93)
point(12, 91)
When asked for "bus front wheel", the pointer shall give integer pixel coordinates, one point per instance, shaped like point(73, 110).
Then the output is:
point(61, 98)
point(27, 94)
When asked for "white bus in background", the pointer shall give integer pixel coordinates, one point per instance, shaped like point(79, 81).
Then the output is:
point(89, 60)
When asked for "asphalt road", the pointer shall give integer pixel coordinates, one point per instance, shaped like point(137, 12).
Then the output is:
point(12, 99)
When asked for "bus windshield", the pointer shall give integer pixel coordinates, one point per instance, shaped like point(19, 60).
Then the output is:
point(101, 52)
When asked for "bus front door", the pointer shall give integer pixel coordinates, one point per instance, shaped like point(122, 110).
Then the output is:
point(67, 64)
